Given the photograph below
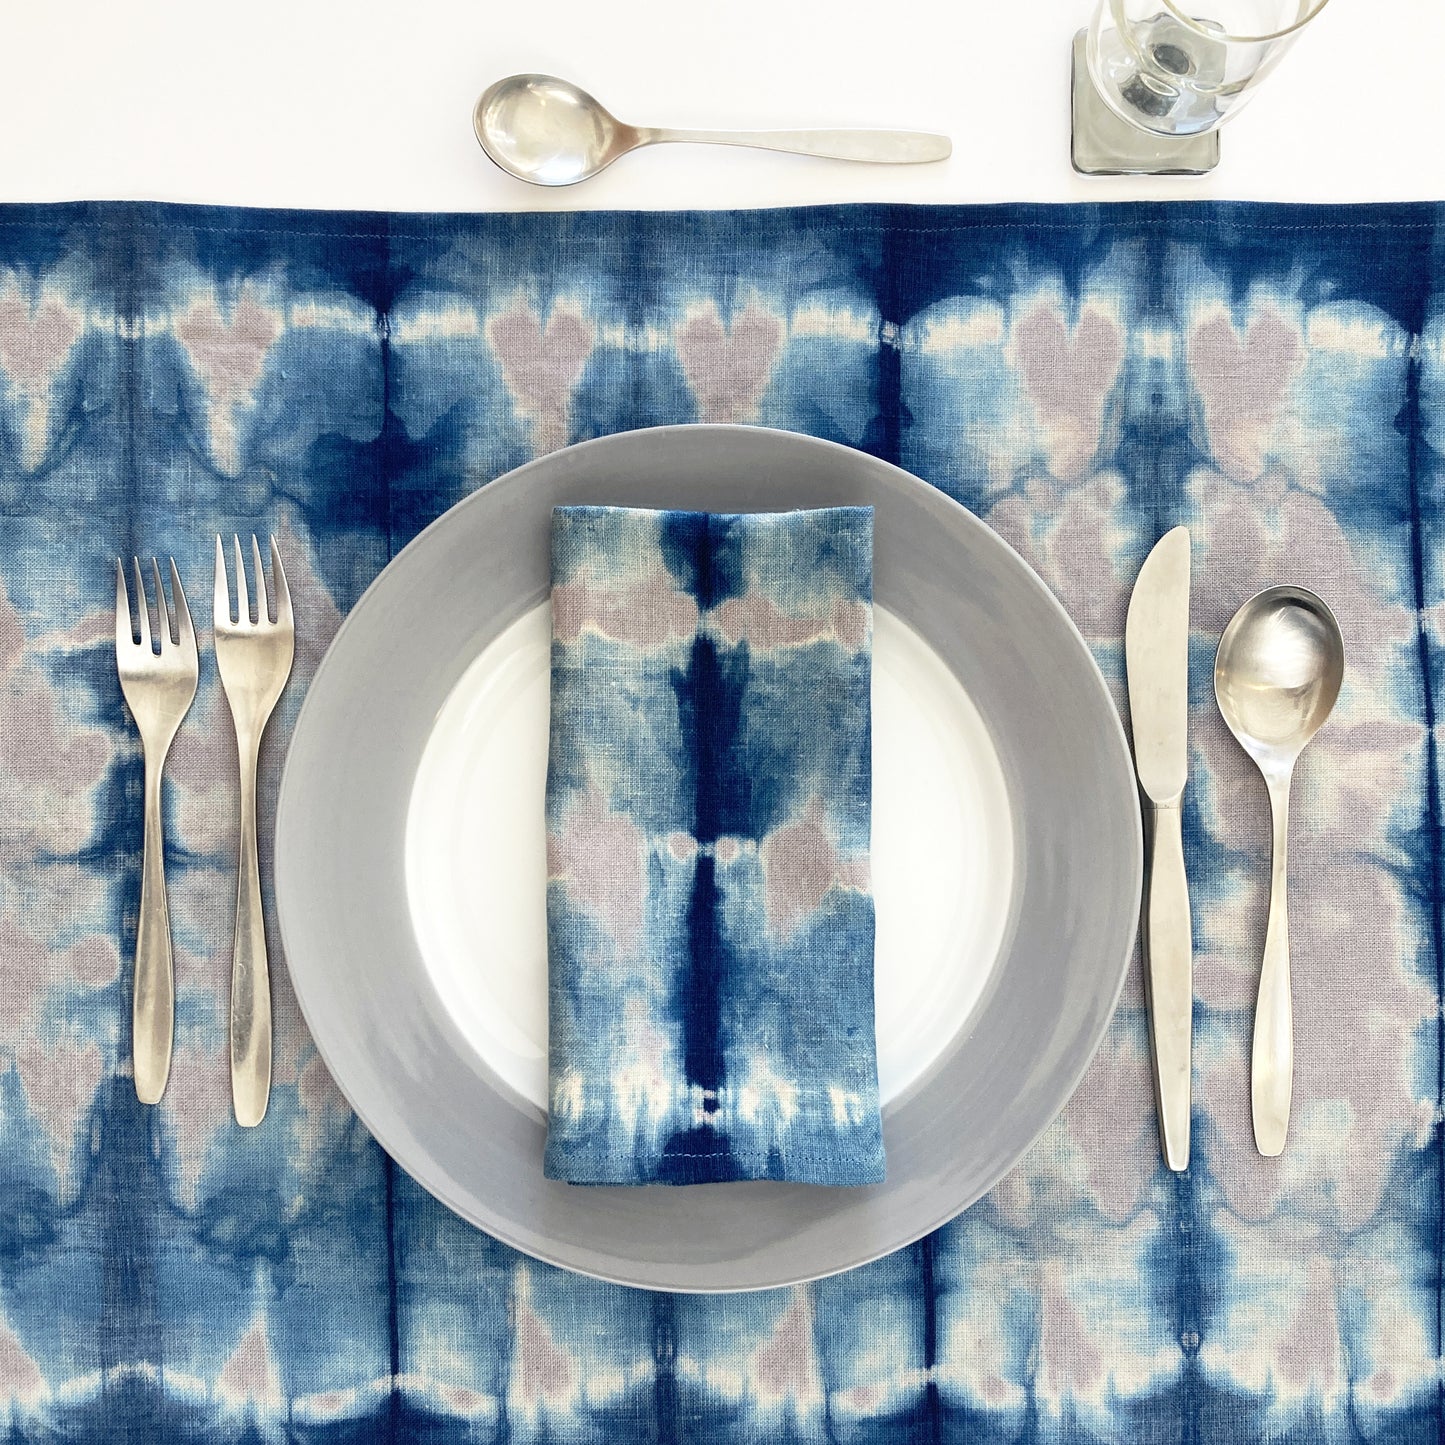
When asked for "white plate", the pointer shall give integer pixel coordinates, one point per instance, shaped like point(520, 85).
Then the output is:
point(476, 859)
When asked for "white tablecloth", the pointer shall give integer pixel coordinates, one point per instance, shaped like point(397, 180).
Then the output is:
point(300, 103)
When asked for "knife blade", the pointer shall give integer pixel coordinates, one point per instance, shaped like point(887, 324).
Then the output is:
point(1156, 654)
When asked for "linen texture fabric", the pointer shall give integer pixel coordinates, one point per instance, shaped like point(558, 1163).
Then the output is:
point(1082, 378)
point(710, 925)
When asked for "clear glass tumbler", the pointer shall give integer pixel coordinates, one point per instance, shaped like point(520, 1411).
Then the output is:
point(1179, 74)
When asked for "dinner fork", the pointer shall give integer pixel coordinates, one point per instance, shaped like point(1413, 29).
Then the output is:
point(255, 660)
point(158, 688)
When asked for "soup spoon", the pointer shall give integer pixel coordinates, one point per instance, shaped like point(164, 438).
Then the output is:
point(1276, 677)
point(552, 133)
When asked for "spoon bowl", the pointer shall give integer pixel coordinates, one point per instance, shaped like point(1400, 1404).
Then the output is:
point(1277, 675)
point(1278, 672)
point(548, 131)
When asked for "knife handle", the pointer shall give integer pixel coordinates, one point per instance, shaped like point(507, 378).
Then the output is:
point(1169, 972)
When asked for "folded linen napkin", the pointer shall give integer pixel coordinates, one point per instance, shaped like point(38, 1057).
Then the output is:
point(710, 925)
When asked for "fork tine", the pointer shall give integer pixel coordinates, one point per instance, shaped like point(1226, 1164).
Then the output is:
point(263, 615)
point(163, 615)
point(221, 606)
point(141, 606)
point(283, 592)
point(124, 626)
point(243, 600)
point(185, 631)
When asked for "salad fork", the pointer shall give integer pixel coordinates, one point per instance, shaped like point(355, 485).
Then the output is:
point(158, 688)
point(254, 660)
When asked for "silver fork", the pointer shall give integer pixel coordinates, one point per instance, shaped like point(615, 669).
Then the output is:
point(158, 688)
point(255, 661)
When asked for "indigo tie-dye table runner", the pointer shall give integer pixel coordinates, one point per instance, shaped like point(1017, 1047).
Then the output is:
point(1082, 378)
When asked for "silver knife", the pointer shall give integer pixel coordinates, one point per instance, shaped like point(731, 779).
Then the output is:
point(1156, 651)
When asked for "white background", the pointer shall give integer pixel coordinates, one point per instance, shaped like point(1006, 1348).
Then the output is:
point(368, 103)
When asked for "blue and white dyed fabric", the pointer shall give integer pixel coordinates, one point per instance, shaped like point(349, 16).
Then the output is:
point(710, 925)
point(1082, 378)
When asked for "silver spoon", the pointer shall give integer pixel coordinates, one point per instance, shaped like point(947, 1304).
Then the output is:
point(1276, 677)
point(552, 133)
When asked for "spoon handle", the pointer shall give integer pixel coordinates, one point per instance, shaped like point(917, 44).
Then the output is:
point(1272, 1067)
point(883, 147)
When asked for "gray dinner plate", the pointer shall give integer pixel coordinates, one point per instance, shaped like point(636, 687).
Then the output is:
point(408, 1067)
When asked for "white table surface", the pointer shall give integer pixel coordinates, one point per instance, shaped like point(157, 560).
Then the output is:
point(368, 103)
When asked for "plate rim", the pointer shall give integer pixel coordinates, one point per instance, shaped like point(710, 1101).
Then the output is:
point(516, 477)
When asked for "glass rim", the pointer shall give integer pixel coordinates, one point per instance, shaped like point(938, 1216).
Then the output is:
point(1230, 38)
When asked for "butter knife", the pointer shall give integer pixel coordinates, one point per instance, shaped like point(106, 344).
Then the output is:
point(1156, 653)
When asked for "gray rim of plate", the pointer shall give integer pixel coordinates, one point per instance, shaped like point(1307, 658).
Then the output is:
point(434, 1105)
